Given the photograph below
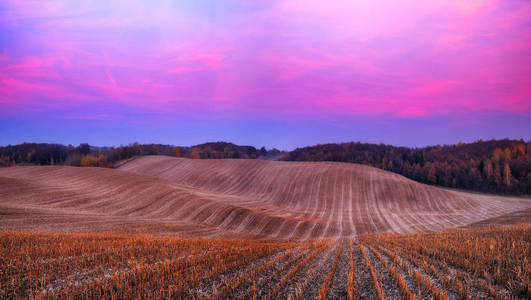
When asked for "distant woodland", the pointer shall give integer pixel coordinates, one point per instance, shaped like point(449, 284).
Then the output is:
point(85, 155)
point(496, 166)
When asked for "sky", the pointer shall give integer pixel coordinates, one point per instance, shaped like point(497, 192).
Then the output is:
point(278, 74)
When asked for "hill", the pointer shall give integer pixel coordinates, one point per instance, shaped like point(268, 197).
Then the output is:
point(244, 198)
point(495, 166)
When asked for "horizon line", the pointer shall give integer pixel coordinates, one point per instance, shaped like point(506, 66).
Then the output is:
point(271, 148)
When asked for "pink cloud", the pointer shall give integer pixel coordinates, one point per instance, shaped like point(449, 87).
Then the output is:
point(180, 69)
point(395, 58)
point(3, 55)
point(85, 116)
point(210, 60)
point(412, 111)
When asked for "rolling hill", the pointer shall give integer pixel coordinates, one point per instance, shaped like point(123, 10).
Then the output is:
point(237, 198)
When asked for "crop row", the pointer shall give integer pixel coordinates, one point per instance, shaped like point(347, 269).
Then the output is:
point(491, 262)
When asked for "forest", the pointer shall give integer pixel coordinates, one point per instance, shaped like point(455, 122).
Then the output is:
point(494, 166)
point(86, 155)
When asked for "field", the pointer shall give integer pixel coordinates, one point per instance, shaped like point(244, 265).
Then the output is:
point(479, 263)
point(237, 199)
point(168, 228)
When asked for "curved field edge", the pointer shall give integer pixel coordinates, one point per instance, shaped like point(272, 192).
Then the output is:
point(236, 198)
point(348, 199)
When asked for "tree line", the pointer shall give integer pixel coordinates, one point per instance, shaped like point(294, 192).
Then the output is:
point(495, 166)
point(86, 155)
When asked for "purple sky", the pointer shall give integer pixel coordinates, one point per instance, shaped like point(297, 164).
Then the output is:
point(275, 73)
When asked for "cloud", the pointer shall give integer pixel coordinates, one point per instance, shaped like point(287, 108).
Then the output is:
point(385, 58)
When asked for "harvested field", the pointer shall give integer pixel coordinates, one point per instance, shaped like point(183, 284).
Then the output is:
point(168, 228)
point(478, 263)
point(236, 198)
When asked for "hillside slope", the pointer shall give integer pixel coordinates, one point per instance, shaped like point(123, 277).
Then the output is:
point(95, 199)
point(338, 199)
point(241, 198)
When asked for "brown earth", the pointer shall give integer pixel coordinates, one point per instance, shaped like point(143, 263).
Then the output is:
point(236, 198)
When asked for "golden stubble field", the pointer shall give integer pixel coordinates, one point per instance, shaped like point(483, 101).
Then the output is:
point(479, 263)
point(167, 228)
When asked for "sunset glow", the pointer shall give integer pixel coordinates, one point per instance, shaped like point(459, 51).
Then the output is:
point(275, 73)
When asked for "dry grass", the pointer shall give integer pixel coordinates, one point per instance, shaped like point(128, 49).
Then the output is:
point(487, 262)
point(351, 289)
point(326, 284)
point(492, 260)
point(109, 265)
point(376, 279)
point(168, 228)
